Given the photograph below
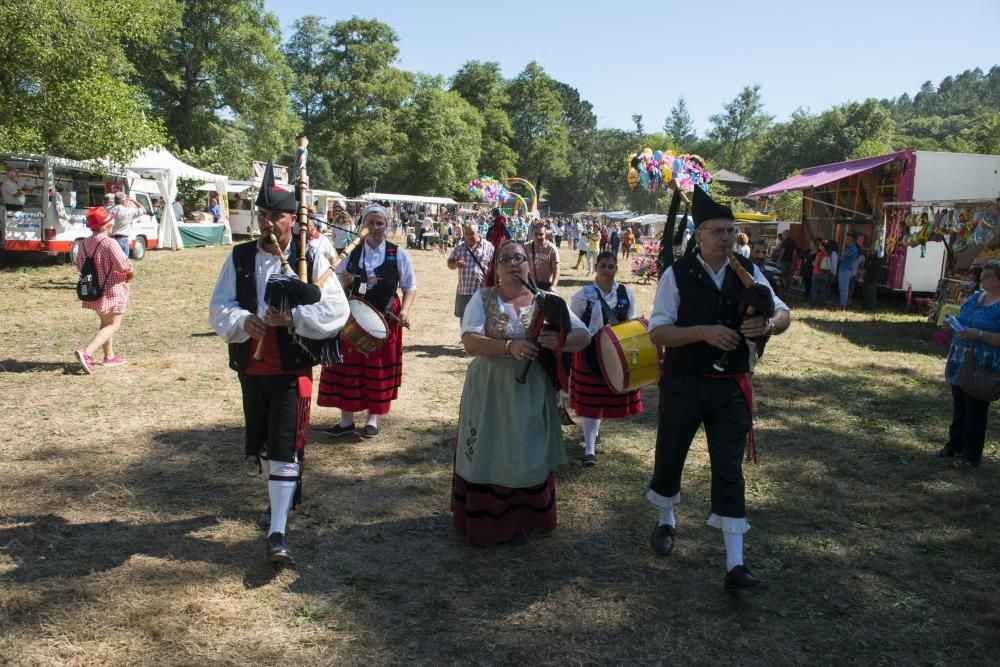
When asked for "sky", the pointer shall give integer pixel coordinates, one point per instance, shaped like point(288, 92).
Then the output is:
point(640, 57)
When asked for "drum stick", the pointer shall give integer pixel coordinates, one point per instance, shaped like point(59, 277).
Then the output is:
point(395, 317)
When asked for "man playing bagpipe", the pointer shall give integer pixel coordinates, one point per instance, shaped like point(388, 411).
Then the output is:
point(267, 350)
point(712, 310)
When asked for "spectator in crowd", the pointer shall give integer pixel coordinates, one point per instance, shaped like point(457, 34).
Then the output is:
point(628, 240)
point(13, 191)
point(743, 245)
point(178, 207)
point(786, 260)
point(845, 270)
point(214, 209)
point(125, 210)
point(980, 317)
point(615, 239)
point(114, 273)
point(808, 266)
point(470, 258)
point(543, 256)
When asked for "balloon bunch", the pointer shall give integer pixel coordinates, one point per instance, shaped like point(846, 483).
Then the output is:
point(488, 189)
point(655, 170)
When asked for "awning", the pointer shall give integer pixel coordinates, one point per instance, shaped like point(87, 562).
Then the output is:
point(827, 173)
point(413, 199)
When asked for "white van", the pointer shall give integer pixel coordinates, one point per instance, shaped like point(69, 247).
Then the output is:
point(53, 221)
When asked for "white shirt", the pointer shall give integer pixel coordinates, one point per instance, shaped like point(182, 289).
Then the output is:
point(340, 237)
point(324, 247)
point(318, 321)
point(667, 299)
point(474, 320)
point(578, 304)
point(10, 196)
point(123, 219)
point(372, 258)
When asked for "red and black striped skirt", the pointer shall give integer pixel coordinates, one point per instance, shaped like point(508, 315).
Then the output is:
point(589, 396)
point(365, 382)
point(490, 514)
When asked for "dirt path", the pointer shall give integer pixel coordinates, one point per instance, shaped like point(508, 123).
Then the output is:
point(126, 509)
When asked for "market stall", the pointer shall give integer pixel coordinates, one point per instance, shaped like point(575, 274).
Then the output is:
point(161, 166)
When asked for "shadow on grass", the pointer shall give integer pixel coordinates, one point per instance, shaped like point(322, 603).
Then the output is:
point(434, 351)
point(19, 366)
point(882, 335)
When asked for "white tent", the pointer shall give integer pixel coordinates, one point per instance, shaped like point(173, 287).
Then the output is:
point(414, 199)
point(160, 165)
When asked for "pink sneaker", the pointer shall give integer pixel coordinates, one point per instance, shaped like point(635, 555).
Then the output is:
point(86, 361)
point(116, 360)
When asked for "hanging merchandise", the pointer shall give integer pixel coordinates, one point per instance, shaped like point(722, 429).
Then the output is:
point(665, 170)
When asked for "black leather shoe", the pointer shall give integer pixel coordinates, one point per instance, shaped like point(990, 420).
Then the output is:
point(277, 549)
point(370, 431)
point(338, 430)
point(741, 579)
point(589, 460)
point(946, 453)
point(662, 539)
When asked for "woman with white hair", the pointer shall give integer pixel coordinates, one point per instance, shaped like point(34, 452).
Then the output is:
point(374, 272)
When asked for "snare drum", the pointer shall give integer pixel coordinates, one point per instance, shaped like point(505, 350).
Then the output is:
point(366, 329)
point(627, 356)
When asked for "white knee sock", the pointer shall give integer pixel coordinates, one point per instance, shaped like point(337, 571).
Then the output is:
point(590, 428)
point(281, 484)
point(667, 516)
point(372, 420)
point(734, 549)
point(346, 419)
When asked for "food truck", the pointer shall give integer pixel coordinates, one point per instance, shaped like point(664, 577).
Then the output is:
point(58, 193)
point(241, 199)
point(880, 199)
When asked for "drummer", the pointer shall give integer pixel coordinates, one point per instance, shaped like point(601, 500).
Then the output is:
point(604, 303)
point(373, 273)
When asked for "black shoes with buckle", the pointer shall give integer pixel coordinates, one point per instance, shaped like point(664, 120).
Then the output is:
point(337, 430)
point(662, 539)
point(277, 549)
point(742, 579)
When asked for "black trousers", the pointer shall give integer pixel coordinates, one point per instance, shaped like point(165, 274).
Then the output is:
point(687, 402)
point(270, 411)
point(967, 432)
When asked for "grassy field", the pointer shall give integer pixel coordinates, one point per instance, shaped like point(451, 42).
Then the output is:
point(126, 509)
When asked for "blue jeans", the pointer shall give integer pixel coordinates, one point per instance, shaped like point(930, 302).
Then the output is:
point(844, 283)
point(123, 242)
point(820, 289)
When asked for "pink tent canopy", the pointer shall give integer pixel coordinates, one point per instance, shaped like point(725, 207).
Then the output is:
point(827, 173)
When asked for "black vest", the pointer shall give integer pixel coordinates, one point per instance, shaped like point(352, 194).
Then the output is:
point(293, 357)
point(620, 309)
point(381, 295)
point(701, 303)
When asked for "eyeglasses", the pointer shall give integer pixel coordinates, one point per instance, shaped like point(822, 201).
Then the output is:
point(516, 260)
point(721, 231)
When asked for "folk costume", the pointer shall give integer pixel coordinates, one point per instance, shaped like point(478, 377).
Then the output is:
point(277, 390)
point(693, 392)
point(370, 382)
point(589, 394)
point(509, 434)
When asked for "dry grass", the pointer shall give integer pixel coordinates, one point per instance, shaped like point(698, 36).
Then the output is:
point(126, 509)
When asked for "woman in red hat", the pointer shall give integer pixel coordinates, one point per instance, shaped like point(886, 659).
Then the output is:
point(114, 271)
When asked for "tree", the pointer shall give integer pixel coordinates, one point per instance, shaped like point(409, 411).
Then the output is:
point(640, 130)
point(741, 124)
point(305, 53)
point(220, 62)
point(63, 77)
point(443, 132)
point(573, 191)
point(679, 125)
point(357, 130)
point(541, 136)
point(482, 85)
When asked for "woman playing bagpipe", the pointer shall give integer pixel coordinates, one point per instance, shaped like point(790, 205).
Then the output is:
point(709, 307)
point(266, 346)
point(509, 434)
point(374, 271)
point(606, 302)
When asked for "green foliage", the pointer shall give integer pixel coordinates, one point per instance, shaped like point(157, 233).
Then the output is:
point(541, 135)
point(306, 54)
point(63, 77)
point(739, 127)
point(220, 69)
point(482, 85)
point(444, 133)
point(679, 124)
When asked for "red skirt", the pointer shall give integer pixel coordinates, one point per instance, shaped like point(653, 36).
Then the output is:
point(589, 396)
point(489, 514)
point(365, 382)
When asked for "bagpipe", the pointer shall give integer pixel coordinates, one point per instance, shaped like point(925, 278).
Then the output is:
point(284, 291)
point(549, 313)
point(755, 300)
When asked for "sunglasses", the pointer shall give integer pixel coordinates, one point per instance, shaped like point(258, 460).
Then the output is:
point(516, 260)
